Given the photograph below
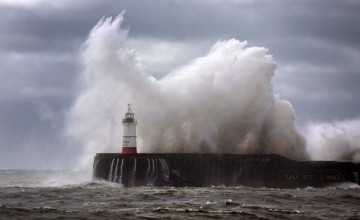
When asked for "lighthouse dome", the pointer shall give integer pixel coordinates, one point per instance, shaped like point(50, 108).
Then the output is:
point(129, 116)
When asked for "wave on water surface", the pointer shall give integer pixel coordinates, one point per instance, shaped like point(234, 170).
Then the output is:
point(36, 194)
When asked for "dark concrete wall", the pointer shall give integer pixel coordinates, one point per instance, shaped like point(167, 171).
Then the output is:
point(220, 169)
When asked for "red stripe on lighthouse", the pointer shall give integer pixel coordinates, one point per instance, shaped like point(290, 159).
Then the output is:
point(129, 150)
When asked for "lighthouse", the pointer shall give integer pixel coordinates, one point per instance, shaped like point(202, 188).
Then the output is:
point(129, 132)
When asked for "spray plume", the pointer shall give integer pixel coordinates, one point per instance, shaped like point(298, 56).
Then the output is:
point(336, 141)
point(222, 102)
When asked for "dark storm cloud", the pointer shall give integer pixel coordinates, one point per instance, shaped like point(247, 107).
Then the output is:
point(28, 30)
point(187, 20)
point(19, 72)
point(252, 20)
point(315, 43)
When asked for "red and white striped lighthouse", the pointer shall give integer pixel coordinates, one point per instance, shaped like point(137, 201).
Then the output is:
point(129, 132)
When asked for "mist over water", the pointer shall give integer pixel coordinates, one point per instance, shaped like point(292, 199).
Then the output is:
point(222, 102)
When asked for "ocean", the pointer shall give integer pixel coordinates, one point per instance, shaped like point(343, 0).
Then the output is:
point(61, 194)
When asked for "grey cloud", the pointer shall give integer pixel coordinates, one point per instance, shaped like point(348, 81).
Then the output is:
point(189, 20)
point(320, 95)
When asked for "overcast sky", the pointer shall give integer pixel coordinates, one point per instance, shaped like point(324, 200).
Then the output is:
point(316, 45)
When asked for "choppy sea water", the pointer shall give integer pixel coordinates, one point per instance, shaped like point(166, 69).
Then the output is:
point(67, 194)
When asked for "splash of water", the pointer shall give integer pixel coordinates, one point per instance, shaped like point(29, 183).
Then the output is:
point(121, 170)
point(222, 102)
point(334, 141)
point(116, 170)
point(165, 169)
point(111, 170)
point(153, 172)
point(148, 171)
point(133, 173)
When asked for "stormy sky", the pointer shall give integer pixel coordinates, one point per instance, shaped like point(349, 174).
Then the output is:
point(315, 44)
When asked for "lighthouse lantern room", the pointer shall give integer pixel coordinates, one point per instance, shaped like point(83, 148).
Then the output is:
point(129, 132)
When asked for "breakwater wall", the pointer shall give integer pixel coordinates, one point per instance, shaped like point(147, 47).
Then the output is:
point(259, 170)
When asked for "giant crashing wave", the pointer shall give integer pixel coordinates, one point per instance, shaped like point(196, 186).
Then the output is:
point(222, 102)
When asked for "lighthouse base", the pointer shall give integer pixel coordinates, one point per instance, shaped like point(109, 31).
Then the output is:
point(129, 150)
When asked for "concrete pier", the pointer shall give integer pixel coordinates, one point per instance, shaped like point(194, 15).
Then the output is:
point(198, 170)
